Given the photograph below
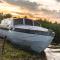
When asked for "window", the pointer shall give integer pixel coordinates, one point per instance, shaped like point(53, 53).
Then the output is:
point(18, 21)
point(28, 22)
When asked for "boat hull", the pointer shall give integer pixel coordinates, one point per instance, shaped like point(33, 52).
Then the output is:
point(35, 42)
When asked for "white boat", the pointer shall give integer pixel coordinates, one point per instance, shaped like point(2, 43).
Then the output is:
point(23, 32)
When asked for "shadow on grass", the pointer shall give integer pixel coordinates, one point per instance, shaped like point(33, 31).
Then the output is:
point(56, 51)
point(54, 47)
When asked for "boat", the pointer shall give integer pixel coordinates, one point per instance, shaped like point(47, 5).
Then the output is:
point(23, 32)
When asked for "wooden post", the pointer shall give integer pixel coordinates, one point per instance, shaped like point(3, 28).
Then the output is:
point(4, 39)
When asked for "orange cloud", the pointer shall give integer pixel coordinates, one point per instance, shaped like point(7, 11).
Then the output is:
point(18, 11)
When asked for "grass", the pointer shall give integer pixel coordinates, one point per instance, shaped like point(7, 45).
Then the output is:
point(12, 53)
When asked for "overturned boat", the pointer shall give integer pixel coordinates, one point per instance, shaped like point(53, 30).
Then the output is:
point(24, 32)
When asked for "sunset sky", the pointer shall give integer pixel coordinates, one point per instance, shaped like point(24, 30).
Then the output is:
point(49, 9)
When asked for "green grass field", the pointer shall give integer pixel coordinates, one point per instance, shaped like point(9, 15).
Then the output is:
point(12, 53)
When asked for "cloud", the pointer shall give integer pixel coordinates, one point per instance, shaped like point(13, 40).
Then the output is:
point(33, 6)
point(25, 4)
point(58, 0)
point(46, 6)
point(37, 5)
point(47, 11)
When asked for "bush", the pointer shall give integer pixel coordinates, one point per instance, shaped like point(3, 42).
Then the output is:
point(53, 26)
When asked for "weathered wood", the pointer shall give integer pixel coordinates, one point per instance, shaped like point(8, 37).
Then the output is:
point(2, 44)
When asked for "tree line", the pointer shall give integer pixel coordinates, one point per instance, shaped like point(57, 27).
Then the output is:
point(3, 16)
point(53, 26)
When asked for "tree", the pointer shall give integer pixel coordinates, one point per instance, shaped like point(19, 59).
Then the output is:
point(1, 16)
point(53, 26)
point(7, 15)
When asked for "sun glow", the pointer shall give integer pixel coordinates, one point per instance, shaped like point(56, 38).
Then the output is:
point(19, 12)
point(9, 8)
point(13, 9)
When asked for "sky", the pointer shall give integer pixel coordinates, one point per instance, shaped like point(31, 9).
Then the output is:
point(41, 8)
